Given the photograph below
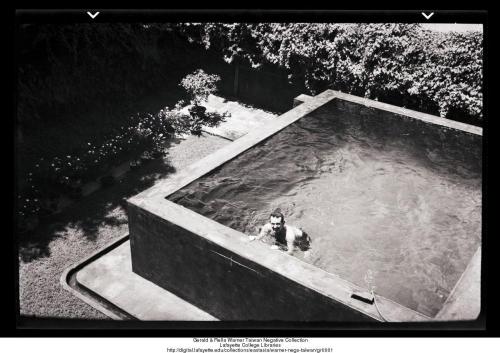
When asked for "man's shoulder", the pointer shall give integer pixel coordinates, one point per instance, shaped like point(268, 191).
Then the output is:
point(293, 230)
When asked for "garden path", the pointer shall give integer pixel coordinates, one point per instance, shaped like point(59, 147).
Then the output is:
point(243, 118)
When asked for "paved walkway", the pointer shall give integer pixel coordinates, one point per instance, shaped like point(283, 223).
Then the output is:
point(243, 118)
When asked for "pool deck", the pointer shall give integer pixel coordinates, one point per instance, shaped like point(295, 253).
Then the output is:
point(464, 301)
point(111, 277)
point(242, 120)
point(108, 274)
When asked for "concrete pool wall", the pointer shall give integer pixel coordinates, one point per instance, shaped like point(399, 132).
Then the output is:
point(217, 269)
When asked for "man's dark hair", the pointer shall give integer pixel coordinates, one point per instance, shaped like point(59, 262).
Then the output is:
point(277, 213)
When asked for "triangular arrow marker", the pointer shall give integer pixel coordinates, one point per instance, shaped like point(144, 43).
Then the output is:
point(97, 13)
point(423, 13)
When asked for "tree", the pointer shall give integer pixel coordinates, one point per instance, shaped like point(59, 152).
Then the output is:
point(199, 85)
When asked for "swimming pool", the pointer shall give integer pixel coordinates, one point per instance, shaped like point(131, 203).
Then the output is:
point(379, 196)
point(392, 203)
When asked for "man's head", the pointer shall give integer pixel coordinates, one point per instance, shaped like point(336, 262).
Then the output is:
point(277, 220)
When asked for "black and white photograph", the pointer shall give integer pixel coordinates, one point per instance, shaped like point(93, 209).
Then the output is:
point(263, 172)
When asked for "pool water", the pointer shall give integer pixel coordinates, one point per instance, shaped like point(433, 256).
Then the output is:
point(391, 203)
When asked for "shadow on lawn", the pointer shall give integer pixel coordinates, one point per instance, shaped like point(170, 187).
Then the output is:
point(87, 217)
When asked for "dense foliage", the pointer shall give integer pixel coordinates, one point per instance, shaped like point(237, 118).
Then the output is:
point(64, 175)
point(62, 67)
point(438, 73)
point(199, 85)
point(84, 89)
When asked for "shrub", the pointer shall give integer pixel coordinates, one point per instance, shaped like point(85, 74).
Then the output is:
point(199, 85)
point(403, 64)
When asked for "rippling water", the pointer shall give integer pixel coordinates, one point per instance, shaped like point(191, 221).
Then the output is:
point(387, 196)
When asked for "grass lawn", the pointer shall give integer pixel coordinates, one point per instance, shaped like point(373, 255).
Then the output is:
point(88, 226)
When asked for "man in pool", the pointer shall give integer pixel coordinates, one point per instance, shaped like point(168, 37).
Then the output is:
point(281, 233)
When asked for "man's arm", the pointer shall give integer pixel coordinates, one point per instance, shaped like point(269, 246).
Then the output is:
point(292, 233)
point(266, 228)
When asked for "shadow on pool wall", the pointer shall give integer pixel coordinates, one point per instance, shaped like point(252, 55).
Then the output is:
point(215, 267)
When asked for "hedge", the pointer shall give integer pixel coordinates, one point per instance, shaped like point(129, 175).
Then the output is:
point(402, 64)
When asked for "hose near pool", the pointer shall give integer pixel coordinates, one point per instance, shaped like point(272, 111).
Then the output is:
point(376, 306)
